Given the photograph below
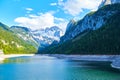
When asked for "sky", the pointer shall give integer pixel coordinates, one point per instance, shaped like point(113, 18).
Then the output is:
point(39, 14)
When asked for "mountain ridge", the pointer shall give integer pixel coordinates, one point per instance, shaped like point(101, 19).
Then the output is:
point(10, 43)
point(38, 38)
point(92, 21)
point(103, 40)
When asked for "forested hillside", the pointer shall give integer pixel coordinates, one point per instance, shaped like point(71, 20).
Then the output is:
point(10, 43)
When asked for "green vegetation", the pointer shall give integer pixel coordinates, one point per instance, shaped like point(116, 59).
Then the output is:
point(91, 13)
point(10, 43)
point(112, 7)
point(105, 40)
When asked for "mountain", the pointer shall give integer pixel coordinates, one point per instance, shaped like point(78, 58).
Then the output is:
point(92, 21)
point(18, 39)
point(3, 26)
point(38, 38)
point(25, 34)
point(107, 2)
point(46, 36)
point(70, 27)
point(11, 43)
point(97, 33)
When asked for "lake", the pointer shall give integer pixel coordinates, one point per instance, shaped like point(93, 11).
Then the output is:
point(51, 68)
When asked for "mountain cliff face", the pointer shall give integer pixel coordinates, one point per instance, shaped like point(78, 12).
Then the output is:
point(96, 33)
point(70, 27)
point(91, 21)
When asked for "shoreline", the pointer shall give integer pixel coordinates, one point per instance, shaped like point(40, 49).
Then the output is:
point(2, 57)
point(114, 59)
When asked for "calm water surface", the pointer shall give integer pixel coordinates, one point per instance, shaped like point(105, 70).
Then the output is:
point(50, 68)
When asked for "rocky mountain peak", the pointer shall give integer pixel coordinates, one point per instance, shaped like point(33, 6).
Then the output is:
point(107, 2)
point(70, 24)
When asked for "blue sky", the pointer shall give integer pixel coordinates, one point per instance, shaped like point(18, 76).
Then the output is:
point(37, 14)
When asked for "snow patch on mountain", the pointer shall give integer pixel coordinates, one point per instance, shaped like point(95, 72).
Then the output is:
point(48, 35)
point(42, 37)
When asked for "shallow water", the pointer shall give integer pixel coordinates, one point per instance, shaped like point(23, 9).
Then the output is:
point(51, 68)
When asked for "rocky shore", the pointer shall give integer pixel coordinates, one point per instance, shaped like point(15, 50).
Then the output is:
point(114, 59)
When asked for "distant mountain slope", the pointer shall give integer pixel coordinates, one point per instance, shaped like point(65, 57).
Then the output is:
point(25, 34)
point(38, 38)
point(11, 43)
point(45, 37)
point(3, 26)
point(103, 40)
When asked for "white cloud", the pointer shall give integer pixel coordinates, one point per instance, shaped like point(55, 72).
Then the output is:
point(29, 9)
point(53, 4)
point(59, 19)
point(41, 21)
point(62, 25)
point(75, 7)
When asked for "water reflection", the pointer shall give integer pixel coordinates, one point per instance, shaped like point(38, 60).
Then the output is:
point(16, 60)
point(50, 68)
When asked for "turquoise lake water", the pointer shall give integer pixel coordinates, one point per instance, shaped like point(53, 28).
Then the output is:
point(50, 68)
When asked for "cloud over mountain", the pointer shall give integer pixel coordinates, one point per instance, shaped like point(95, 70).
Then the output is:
point(41, 21)
point(74, 7)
